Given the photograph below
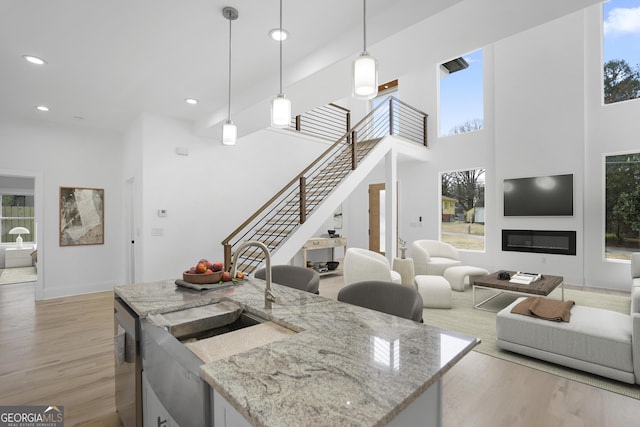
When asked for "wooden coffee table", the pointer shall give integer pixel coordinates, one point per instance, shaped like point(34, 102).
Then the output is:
point(541, 287)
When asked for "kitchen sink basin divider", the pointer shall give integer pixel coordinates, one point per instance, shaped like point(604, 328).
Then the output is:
point(274, 222)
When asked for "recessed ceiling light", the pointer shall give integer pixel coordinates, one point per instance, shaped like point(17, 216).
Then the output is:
point(42, 108)
point(34, 59)
point(277, 35)
point(191, 101)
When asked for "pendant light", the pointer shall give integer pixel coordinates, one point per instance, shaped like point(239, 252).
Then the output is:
point(280, 106)
point(365, 68)
point(229, 130)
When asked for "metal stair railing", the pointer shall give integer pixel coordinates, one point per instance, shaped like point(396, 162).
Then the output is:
point(329, 121)
point(275, 220)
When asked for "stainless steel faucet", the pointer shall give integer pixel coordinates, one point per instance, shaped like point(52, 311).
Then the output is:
point(268, 296)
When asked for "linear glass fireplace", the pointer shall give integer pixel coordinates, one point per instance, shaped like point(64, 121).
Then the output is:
point(539, 241)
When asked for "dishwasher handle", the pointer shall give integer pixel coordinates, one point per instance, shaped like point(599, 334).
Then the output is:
point(119, 346)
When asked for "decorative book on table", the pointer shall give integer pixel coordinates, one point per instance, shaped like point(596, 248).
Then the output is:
point(525, 278)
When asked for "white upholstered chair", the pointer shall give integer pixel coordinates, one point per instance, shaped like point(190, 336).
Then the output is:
point(360, 265)
point(433, 257)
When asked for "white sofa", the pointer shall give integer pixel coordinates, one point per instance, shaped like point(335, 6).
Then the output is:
point(598, 341)
point(432, 257)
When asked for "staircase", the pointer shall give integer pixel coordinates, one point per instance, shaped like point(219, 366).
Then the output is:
point(293, 214)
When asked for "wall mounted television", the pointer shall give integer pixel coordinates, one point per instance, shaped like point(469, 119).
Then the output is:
point(539, 196)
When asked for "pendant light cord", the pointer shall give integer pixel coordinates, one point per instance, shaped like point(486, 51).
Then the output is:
point(364, 20)
point(229, 104)
point(281, 37)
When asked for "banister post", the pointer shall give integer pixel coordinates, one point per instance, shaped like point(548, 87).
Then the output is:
point(354, 149)
point(227, 256)
point(424, 129)
point(348, 121)
point(303, 199)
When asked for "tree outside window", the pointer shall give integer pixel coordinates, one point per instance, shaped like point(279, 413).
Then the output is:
point(621, 41)
point(622, 205)
point(17, 211)
point(462, 209)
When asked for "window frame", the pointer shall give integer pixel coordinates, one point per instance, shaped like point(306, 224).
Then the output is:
point(604, 207)
point(441, 213)
point(439, 72)
point(27, 238)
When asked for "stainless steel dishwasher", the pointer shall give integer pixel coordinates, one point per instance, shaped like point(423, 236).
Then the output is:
point(128, 364)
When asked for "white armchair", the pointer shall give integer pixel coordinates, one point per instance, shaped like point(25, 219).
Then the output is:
point(433, 257)
point(362, 265)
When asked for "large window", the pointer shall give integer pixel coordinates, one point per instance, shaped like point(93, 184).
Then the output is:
point(17, 211)
point(461, 95)
point(462, 211)
point(621, 53)
point(622, 205)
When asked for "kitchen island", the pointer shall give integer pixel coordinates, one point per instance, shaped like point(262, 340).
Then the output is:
point(344, 365)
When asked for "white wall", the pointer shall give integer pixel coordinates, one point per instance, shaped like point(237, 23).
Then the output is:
point(70, 157)
point(543, 116)
point(208, 193)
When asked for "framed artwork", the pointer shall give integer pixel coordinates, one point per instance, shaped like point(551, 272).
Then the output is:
point(81, 216)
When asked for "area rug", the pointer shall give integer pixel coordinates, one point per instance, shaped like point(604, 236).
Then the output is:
point(462, 317)
point(18, 275)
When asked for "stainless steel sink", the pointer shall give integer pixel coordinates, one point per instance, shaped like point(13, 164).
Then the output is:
point(173, 370)
point(244, 320)
point(204, 321)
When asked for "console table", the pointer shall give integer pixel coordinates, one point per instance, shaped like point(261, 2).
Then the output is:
point(14, 257)
point(324, 243)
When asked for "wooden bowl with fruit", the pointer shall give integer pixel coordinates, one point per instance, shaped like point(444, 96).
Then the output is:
point(203, 273)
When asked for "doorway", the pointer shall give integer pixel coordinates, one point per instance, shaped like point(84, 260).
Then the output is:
point(377, 218)
point(29, 184)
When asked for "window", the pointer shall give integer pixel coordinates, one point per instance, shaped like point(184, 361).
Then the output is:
point(462, 209)
point(622, 205)
point(461, 95)
point(17, 211)
point(621, 50)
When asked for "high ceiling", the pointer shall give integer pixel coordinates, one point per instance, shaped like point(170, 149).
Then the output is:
point(109, 61)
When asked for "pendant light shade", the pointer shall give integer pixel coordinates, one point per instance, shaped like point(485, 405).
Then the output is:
point(280, 106)
point(365, 76)
point(229, 130)
point(365, 68)
point(280, 112)
point(229, 133)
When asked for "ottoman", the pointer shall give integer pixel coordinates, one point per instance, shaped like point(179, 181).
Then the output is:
point(456, 275)
point(435, 291)
point(595, 340)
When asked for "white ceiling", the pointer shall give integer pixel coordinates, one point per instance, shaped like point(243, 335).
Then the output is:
point(109, 61)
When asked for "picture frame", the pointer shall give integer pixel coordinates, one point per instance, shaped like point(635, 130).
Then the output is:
point(81, 216)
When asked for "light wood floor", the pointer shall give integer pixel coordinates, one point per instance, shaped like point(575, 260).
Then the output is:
point(61, 352)
point(58, 352)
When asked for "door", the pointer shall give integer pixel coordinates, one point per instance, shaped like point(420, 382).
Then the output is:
point(376, 218)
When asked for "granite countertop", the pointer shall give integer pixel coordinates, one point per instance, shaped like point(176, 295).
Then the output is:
point(346, 365)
